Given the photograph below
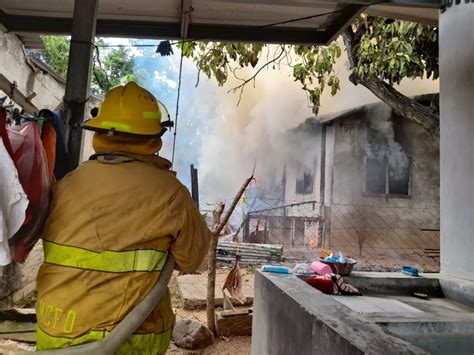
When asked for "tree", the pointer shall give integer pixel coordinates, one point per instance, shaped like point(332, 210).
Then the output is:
point(111, 67)
point(380, 53)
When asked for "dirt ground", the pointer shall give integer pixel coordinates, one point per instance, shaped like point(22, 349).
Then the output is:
point(235, 345)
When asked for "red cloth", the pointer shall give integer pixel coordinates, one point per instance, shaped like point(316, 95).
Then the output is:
point(332, 284)
point(322, 284)
point(30, 160)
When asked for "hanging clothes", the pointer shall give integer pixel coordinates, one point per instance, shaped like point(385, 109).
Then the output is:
point(63, 164)
point(13, 203)
point(30, 160)
point(49, 137)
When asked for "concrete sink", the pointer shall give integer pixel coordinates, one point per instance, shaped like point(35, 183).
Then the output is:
point(435, 337)
point(291, 317)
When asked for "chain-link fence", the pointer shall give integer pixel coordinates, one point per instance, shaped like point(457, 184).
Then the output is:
point(380, 237)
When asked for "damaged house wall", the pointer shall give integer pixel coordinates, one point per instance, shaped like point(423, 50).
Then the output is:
point(379, 199)
point(35, 83)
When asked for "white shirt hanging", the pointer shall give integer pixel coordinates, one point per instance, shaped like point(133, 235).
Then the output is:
point(13, 203)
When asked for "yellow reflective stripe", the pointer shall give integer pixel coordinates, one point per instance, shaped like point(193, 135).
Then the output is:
point(146, 343)
point(116, 125)
point(152, 115)
point(110, 261)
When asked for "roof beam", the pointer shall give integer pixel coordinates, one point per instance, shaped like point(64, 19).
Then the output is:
point(11, 89)
point(186, 10)
point(140, 29)
point(342, 21)
point(431, 4)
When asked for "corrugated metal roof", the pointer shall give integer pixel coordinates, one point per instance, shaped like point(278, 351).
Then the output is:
point(226, 20)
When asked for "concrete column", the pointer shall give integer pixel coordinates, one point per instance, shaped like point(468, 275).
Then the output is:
point(79, 70)
point(456, 62)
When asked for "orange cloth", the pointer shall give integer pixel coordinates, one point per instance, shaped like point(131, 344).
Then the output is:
point(48, 137)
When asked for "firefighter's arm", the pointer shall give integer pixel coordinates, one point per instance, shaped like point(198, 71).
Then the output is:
point(192, 241)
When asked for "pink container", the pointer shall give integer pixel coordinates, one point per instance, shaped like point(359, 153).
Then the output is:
point(320, 268)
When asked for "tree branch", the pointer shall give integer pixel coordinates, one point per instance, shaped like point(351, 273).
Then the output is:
point(349, 43)
point(401, 104)
point(245, 82)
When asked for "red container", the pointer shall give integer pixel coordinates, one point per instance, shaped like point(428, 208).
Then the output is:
point(343, 269)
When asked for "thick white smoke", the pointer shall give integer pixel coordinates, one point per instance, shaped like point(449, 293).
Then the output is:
point(256, 130)
point(384, 146)
point(225, 140)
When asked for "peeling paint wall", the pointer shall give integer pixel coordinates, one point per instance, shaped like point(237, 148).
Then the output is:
point(29, 79)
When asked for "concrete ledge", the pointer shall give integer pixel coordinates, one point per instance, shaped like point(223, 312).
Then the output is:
point(459, 290)
point(291, 317)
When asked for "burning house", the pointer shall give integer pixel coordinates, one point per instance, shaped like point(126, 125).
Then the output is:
point(364, 182)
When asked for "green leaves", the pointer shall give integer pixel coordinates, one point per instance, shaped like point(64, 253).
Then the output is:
point(111, 67)
point(396, 51)
point(390, 52)
point(56, 53)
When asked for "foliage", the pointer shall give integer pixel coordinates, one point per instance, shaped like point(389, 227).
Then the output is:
point(111, 66)
point(388, 51)
point(56, 53)
point(396, 51)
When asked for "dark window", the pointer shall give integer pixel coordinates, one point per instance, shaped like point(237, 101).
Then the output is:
point(304, 185)
point(384, 180)
point(399, 181)
point(376, 180)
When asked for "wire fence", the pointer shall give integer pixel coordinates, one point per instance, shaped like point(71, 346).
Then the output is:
point(379, 237)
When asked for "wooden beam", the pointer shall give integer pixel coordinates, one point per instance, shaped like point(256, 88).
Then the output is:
point(10, 88)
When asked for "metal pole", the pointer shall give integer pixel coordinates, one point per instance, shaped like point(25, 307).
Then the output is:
point(79, 71)
point(322, 187)
point(195, 185)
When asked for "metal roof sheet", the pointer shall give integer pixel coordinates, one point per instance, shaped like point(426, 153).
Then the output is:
point(225, 20)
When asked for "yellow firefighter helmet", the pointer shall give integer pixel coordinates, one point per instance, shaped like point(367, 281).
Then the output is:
point(132, 110)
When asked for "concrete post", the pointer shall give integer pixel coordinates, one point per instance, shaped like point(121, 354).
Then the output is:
point(456, 62)
point(79, 70)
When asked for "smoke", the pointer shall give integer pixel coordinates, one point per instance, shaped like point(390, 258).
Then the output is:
point(224, 140)
point(382, 144)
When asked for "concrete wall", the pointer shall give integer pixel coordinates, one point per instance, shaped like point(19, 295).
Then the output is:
point(350, 143)
point(291, 317)
point(282, 326)
point(379, 230)
point(13, 65)
point(457, 139)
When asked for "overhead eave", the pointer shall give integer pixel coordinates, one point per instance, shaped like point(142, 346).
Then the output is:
point(214, 20)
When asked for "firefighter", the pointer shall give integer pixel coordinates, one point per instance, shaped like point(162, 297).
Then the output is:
point(111, 225)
